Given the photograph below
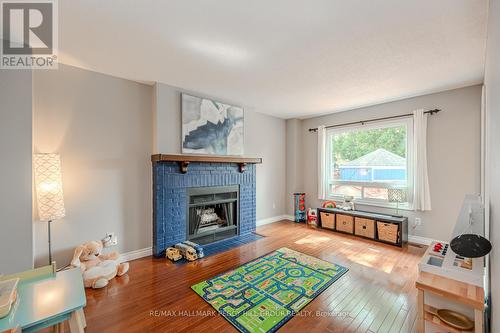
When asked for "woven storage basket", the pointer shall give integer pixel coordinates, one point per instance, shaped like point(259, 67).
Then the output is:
point(344, 223)
point(364, 227)
point(328, 220)
point(387, 232)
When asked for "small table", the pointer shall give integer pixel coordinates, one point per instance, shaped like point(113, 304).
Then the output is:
point(460, 292)
point(49, 301)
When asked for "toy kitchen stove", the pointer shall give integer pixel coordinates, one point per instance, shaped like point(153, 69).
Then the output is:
point(440, 259)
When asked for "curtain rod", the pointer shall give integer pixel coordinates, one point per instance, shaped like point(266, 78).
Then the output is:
point(362, 122)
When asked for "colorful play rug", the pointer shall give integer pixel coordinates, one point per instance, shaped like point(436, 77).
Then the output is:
point(263, 294)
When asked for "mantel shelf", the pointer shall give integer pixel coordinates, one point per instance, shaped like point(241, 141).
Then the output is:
point(184, 160)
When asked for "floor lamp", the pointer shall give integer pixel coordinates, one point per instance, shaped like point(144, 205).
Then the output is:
point(397, 195)
point(49, 192)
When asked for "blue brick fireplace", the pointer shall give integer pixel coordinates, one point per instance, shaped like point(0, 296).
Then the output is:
point(171, 181)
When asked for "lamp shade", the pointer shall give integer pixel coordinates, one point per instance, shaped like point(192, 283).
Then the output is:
point(48, 182)
point(397, 195)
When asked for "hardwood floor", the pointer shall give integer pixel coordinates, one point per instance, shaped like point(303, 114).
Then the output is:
point(377, 294)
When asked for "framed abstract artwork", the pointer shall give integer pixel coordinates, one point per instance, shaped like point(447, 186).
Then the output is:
point(210, 127)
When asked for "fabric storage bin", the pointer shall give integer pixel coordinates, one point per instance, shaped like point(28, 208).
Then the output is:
point(364, 227)
point(344, 223)
point(327, 220)
point(388, 232)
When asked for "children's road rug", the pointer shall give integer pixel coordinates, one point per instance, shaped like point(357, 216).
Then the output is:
point(263, 294)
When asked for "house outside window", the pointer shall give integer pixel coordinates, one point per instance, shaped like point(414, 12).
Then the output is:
point(371, 162)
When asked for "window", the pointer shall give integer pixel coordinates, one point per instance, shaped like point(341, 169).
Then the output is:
point(371, 162)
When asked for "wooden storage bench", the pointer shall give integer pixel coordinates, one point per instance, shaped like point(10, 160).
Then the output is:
point(379, 227)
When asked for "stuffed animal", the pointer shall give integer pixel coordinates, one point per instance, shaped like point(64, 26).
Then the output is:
point(97, 268)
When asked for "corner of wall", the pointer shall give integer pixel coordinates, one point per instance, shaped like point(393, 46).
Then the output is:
point(294, 174)
point(492, 178)
point(155, 118)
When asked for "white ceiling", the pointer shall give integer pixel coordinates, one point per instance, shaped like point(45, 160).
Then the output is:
point(287, 58)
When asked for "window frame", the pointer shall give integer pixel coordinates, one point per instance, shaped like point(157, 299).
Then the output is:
point(404, 121)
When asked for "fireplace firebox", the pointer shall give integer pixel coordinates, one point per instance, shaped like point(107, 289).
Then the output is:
point(212, 213)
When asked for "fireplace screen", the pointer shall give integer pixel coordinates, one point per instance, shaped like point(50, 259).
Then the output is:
point(212, 213)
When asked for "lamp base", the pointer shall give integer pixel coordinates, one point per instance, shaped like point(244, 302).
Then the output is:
point(397, 211)
point(50, 245)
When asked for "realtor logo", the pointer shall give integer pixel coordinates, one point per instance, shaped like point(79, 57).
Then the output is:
point(29, 34)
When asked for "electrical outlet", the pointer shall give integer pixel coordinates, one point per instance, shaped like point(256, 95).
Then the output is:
point(274, 205)
point(418, 221)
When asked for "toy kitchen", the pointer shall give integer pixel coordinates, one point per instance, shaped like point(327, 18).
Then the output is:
point(451, 276)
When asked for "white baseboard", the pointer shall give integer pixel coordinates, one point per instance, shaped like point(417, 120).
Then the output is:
point(136, 254)
point(420, 240)
point(273, 219)
point(148, 251)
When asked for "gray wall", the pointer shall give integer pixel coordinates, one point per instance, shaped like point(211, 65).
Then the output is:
point(453, 153)
point(294, 165)
point(102, 127)
point(16, 242)
point(106, 129)
point(492, 86)
point(265, 137)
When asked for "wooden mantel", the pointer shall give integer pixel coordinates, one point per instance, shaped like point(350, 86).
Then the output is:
point(184, 160)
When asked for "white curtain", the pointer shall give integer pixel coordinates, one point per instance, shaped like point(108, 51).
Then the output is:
point(321, 162)
point(421, 195)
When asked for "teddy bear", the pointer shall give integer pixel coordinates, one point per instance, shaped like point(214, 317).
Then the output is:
point(97, 268)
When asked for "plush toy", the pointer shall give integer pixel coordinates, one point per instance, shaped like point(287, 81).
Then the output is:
point(97, 268)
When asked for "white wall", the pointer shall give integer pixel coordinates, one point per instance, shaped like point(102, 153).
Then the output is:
point(16, 242)
point(265, 137)
point(492, 86)
point(453, 153)
point(102, 127)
